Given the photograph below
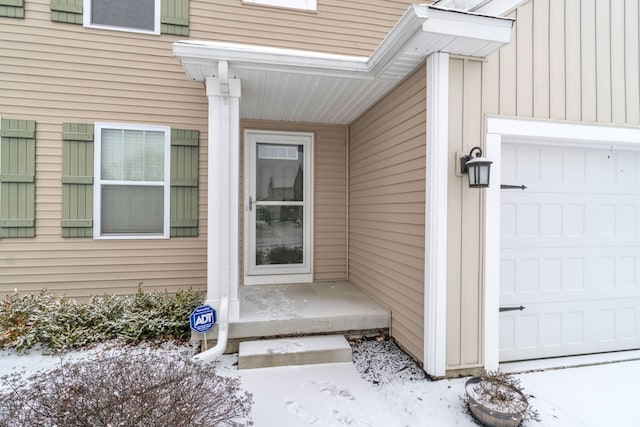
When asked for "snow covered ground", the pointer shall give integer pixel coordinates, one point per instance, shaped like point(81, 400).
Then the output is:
point(384, 388)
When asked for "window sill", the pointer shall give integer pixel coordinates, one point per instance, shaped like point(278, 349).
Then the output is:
point(123, 29)
point(132, 237)
point(280, 7)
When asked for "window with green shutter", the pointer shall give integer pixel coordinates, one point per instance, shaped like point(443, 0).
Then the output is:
point(174, 17)
point(12, 8)
point(122, 15)
point(184, 182)
point(17, 178)
point(69, 11)
point(77, 180)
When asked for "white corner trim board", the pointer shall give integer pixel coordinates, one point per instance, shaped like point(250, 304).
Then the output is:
point(435, 271)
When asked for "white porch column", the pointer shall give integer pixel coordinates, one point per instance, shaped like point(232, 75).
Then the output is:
point(435, 269)
point(222, 194)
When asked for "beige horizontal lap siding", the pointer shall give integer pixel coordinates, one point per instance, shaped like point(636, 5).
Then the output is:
point(330, 228)
point(53, 73)
point(386, 207)
point(354, 27)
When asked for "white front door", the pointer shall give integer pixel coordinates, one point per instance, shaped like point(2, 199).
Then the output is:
point(570, 250)
point(278, 201)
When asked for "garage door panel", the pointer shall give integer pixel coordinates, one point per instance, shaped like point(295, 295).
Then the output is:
point(570, 250)
point(539, 215)
point(569, 165)
point(560, 329)
point(561, 275)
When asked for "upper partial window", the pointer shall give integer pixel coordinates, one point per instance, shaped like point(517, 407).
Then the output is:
point(131, 196)
point(125, 15)
point(294, 4)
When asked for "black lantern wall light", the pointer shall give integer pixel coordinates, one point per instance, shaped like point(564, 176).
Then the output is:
point(477, 168)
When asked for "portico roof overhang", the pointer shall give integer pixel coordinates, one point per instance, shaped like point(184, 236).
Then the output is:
point(302, 86)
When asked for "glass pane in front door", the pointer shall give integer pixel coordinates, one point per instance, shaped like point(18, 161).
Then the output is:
point(279, 236)
point(279, 204)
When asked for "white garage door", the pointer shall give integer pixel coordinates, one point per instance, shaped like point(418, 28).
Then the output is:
point(570, 251)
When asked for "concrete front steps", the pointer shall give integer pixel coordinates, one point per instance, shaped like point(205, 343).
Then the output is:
point(305, 350)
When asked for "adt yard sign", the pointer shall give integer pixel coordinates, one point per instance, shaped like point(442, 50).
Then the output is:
point(202, 319)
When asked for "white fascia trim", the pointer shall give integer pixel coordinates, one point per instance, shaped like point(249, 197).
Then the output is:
point(448, 23)
point(435, 269)
point(411, 24)
point(498, 7)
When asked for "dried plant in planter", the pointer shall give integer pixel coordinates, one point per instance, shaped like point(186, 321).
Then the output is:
point(496, 399)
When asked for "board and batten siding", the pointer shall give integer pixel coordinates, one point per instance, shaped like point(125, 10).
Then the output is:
point(574, 60)
point(54, 73)
point(330, 195)
point(464, 258)
point(571, 60)
point(386, 207)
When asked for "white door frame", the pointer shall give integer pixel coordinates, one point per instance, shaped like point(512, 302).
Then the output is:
point(297, 274)
point(525, 130)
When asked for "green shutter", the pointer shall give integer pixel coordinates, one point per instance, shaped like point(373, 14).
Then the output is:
point(184, 182)
point(174, 17)
point(77, 180)
point(69, 11)
point(12, 8)
point(17, 178)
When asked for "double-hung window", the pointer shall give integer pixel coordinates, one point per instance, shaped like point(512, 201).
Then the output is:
point(131, 188)
point(125, 15)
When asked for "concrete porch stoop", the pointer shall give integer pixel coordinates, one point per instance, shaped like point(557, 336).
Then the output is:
point(294, 351)
point(301, 323)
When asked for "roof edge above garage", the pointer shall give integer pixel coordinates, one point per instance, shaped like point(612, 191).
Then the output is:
point(421, 31)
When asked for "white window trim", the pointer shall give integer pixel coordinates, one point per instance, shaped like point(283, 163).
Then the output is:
point(291, 4)
point(86, 20)
point(97, 180)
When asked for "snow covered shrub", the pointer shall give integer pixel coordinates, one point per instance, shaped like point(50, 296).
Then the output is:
point(125, 387)
point(61, 323)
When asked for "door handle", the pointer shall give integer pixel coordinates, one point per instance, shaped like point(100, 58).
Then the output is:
point(511, 309)
point(250, 203)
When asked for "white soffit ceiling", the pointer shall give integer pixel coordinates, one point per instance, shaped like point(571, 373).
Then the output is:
point(311, 87)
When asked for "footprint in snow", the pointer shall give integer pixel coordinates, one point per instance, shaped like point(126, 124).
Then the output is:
point(345, 418)
point(297, 409)
point(333, 390)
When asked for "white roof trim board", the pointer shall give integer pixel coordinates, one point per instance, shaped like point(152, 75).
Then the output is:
point(312, 87)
